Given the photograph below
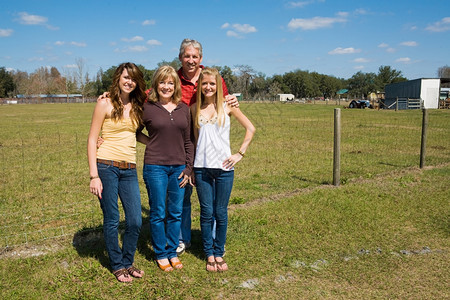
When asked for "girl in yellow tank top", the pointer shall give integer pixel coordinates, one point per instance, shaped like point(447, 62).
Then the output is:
point(112, 167)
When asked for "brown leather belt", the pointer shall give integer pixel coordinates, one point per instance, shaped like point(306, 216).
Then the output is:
point(118, 164)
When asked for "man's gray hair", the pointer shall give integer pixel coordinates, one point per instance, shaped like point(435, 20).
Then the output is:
point(188, 42)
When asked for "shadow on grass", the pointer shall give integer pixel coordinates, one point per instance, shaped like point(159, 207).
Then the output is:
point(89, 242)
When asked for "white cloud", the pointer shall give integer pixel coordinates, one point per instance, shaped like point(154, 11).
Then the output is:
point(244, 28)
point(358, 67)
point(298, 4)
point(132, 49)
point(36, 59)
point(232, 33)
point(148, 22)
point(340, 50)
point(59, 43)
point(405, 60)
point(27, 19)
point(238, 29)
point(10, 69)
point(361, 60)
point(154, 43)
point(383, 45)
point(390, 50)
point(73, 66)
point(317, 22)
point(440, 26)
point(6, 32)
point(409, 44)
point(78, 44)
point(136, 38)
point(361, 11)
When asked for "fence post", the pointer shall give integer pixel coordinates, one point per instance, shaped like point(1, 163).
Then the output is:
point(423, 144)
point(396, 105)
point(337, 147)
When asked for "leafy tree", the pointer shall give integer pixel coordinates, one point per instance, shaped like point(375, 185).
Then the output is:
point(361, 84)
point(244, 78)
point(175, 63)
point(259, 87)
point(301, 84)
point(21, 81)
point(387, 75)
point(230, 78)
point(6, 83)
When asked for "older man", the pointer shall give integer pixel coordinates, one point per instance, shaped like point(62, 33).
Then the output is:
point(191, 55)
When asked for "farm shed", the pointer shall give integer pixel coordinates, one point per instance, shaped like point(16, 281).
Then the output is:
point(426, 89)
point(285, 97)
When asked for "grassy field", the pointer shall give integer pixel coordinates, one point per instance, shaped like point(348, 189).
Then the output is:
point(384, 233)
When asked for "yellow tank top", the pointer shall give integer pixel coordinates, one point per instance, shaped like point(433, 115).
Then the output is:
point(119, 140)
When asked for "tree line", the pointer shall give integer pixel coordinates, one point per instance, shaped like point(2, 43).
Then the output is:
point(239, 79)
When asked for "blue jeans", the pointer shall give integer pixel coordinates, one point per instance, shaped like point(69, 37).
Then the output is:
point(186, 220)
point(122, 183)
point(213, 190)
point(162, 181)
point(185, 232)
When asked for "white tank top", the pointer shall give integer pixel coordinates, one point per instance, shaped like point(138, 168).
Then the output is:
point(213, 145)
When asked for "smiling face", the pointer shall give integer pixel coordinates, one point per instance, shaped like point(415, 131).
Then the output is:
point(209, 86)
point(126, 83)
point(166, 88)
point(190, 60)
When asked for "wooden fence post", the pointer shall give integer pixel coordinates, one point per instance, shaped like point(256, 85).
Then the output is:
point(423, 145)
point(337, 147)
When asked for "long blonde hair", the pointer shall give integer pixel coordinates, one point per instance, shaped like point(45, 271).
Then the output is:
point(201, 98)
point(137, 96)
point(162, 74)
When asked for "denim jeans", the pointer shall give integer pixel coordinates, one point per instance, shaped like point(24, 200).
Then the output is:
point(162, 181)
point(213, 190)
point(185, 232)
point(186, 220)
point(122, 183)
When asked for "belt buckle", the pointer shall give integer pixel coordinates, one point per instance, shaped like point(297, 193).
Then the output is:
point(123, 165)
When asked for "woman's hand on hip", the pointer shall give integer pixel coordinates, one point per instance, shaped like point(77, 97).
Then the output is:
point(232, 161)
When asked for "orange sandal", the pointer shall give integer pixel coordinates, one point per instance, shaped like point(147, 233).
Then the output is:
point(165, 268)
point(176, 263)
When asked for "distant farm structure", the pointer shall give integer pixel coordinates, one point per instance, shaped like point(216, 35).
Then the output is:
point(414, 94)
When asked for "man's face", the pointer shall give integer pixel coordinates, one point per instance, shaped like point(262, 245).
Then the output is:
point(190, 60)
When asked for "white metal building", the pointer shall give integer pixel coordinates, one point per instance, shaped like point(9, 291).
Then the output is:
point(427, 89)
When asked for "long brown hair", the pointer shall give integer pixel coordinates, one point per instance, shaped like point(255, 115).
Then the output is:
point(162, 74)
point(201, 98)
point(137, 96)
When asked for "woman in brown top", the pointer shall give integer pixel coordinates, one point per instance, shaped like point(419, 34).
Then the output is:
point(168, 162)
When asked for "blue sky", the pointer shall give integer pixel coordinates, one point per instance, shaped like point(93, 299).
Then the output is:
point(337, 38)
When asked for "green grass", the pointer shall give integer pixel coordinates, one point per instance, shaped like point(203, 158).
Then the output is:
point(382, 234)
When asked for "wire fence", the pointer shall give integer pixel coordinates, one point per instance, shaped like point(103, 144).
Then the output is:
point(44, 173)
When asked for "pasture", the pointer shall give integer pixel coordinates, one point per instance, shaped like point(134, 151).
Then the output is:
point(384, 233)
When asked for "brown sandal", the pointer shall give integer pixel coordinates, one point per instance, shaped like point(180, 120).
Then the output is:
point(212, 265)
point(221, 266)
point(133, 270)
point(125, 274)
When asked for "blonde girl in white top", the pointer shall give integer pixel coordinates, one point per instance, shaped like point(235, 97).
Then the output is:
point(214, 162)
